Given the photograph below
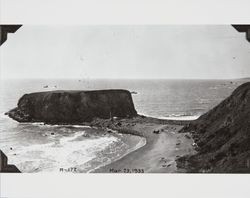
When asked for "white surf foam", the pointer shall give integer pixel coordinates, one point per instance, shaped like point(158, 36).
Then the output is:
point(54, 125)
point(65, 153)
point(140, 144)
point(195, 117)
point(174, 117)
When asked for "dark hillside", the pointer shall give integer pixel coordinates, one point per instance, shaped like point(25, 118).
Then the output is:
point(222, 136)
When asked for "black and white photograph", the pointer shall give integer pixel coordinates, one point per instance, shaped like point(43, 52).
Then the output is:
point(125, 99)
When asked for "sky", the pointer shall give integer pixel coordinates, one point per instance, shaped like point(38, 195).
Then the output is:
point(138, 52)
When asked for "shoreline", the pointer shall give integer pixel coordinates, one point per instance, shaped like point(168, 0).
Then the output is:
point(157, 154)
point(132, 149)
point(160, 152)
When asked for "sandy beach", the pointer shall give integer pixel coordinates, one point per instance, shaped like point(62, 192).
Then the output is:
point(159, 153)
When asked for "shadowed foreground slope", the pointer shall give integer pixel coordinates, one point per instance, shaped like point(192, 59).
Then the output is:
point(222, 136)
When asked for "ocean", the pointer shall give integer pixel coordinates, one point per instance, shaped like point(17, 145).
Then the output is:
point(35, 147)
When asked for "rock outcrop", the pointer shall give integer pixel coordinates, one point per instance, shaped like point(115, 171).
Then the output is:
point(73, 107)
point(222, 136)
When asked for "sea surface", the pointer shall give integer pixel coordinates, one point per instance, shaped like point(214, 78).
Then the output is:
point(35, 147)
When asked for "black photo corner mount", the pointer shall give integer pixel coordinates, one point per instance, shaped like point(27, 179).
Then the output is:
point(5, 29)
point(243, 28)
point(4, 166)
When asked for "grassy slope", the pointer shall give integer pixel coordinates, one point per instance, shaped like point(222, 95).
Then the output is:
point(222, 136)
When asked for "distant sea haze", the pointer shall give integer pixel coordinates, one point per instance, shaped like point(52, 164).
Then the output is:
point(35, 147)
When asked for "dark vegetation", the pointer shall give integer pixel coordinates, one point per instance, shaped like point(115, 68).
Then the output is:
point(222, 136)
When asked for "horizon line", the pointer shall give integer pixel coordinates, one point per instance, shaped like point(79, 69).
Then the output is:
point(105, 78)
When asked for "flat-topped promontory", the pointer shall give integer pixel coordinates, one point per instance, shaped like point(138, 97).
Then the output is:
point(73, 106)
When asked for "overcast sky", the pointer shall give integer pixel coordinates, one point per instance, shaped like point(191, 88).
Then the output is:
point(126, 52)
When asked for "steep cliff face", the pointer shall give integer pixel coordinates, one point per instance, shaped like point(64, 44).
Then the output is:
point(222, 136)
point(73, 106)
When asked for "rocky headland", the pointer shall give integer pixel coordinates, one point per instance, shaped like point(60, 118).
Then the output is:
point(73, 107)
